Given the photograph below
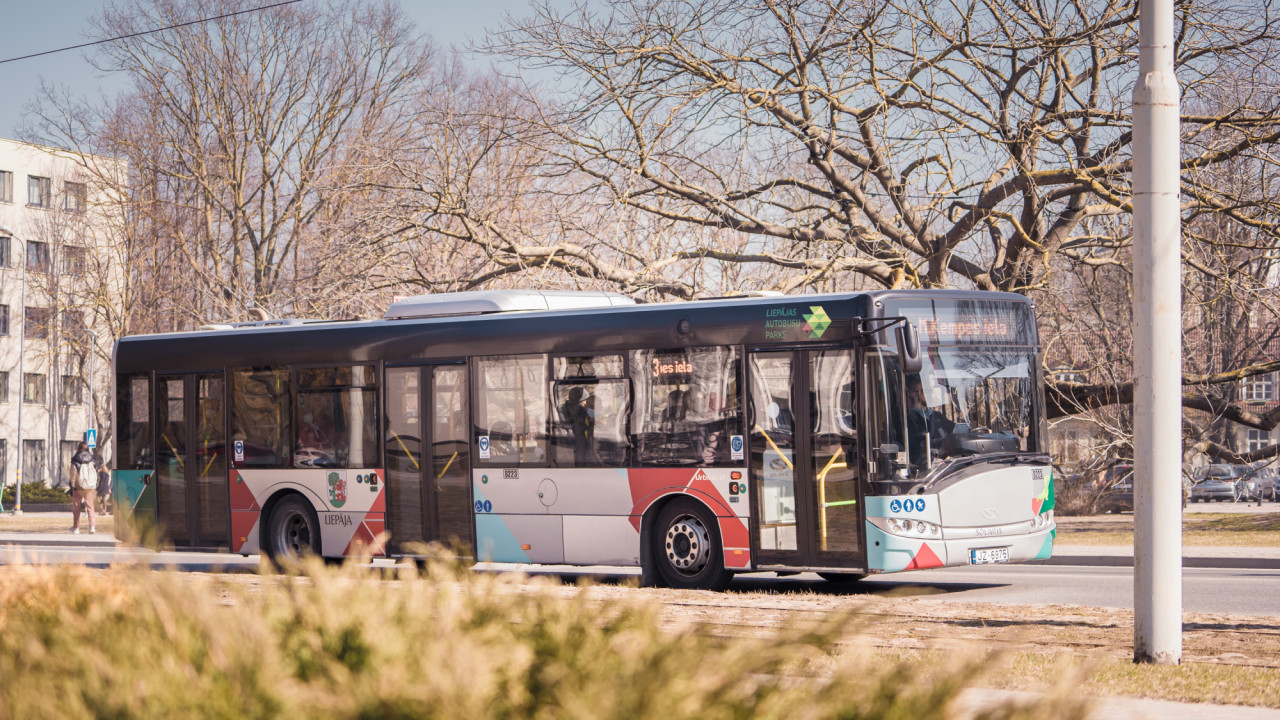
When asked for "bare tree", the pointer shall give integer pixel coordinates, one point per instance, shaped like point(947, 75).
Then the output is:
point(981, 143)
point(244, 137)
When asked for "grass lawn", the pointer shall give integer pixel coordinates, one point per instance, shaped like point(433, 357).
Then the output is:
point(1203, 529)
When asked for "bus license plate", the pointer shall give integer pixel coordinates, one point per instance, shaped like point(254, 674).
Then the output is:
point(986, 556)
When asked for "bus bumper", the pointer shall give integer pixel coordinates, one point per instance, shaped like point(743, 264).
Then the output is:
point(888, 552)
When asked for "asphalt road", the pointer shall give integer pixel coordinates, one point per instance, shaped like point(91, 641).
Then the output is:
point(1209, 590)
point(1243, 592)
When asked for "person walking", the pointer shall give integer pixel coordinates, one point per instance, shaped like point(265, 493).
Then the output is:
point(104, 488)
point(84, 485)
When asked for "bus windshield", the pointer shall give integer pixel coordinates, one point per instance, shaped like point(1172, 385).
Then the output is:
point(965, 401)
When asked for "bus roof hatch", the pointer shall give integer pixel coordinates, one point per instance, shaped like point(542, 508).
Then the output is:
point(479, 302)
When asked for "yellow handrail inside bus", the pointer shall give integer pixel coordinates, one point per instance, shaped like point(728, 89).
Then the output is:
point(776, 449)
point(406, 450)
point(448, 465)
point(176, 454)
point(822, 494)
point(212, 458)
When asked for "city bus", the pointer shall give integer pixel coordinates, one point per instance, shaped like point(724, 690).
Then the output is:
point(843, 434)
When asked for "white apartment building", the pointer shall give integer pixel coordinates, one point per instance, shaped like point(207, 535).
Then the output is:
point(54, 356)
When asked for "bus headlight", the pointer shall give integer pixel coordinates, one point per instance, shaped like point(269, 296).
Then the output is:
point(907, 528)
point(1042, 520)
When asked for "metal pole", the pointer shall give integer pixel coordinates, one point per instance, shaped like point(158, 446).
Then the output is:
point(93, 342)
point(1157, 341)
point(22, 380)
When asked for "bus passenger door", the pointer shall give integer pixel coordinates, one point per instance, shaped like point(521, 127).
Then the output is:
point(428, 464)
point(192, 464)
point(803, 469)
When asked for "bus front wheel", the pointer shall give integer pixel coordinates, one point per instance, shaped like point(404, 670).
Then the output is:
point(293, 531)
point(688, 552)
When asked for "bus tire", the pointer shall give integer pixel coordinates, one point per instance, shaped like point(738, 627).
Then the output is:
point(842, 578)
point(687, 551)
point(293, 531)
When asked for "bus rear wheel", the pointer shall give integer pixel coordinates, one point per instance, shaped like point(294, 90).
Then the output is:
point(293, 532)
point(687, 549)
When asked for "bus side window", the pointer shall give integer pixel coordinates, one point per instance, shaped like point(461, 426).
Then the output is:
point(336, 414)
point(590, 402)
point(262, 416)
point(134, 407)
point(511, 410)
point(687, 406)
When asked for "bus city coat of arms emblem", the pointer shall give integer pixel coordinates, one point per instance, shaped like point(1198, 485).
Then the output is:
point(337, 490)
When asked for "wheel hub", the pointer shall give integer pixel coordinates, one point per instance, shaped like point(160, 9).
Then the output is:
point(688, 545)
point(295, 535)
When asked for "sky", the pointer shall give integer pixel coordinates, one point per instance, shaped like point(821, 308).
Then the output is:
point(33, 27)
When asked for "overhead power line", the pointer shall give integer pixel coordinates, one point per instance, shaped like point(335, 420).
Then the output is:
point(149, 32)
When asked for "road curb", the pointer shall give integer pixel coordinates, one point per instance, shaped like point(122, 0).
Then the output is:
point(68, 542)
point(1224, 563)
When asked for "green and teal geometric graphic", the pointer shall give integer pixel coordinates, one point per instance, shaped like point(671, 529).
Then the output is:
point(816, 322)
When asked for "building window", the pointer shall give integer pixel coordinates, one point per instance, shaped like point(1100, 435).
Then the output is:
point(73, 328)
point(73, 259)
point(1258, 389)
point(33, 391)
point(32, 461)
point(4, 386)
point(37, 323)
point(4, 462)
point(38, 258)
point(71, 390)
point(75, 197)
point(38, 191)
point(6, 259)
point(6, 186)
point(4, 320)
point(1258, 439)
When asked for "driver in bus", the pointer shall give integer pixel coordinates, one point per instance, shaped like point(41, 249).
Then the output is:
point(926, 427)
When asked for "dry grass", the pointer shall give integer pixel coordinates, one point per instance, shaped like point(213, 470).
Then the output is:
point(1207, 530)
point(345, 643)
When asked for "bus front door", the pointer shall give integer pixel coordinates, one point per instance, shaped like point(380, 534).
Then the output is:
point(191, 470)
point(428, 464)
point(803, 466)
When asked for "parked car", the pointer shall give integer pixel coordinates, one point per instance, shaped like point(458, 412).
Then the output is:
point(1264, 479)
point(1216, 483)
point(1117, 493)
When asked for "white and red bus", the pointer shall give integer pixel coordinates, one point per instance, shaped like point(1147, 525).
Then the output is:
point(845, 434)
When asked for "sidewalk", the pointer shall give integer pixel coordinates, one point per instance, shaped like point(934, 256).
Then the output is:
point(1227, 557)
point(60, 538)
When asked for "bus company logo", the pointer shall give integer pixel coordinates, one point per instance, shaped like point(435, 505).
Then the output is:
point(816, 321)
point(337, 490)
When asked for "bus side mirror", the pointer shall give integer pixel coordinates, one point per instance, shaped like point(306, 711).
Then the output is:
point(909, 348)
